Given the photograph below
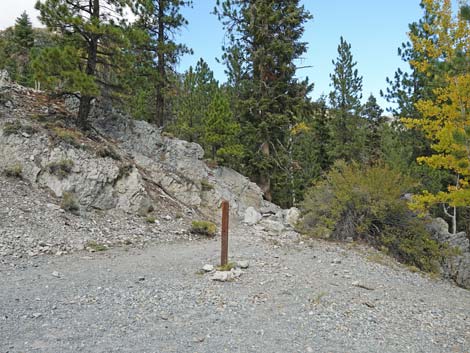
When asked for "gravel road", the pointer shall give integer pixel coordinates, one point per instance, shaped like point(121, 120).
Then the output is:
point(296, 296)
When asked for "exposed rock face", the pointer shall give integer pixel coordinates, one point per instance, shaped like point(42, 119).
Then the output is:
point(96, 182)
point(178, 168)
point(457, 268)
point(148, 166)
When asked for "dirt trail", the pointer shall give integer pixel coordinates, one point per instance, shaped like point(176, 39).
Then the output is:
point(294, 297)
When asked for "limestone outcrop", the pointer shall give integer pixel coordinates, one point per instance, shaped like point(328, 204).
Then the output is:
point(124, 163)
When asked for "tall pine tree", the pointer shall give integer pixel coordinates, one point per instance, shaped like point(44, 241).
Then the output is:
point(264, 44)
point(16, 44)
point(92, 46)
point(162, 19)
point(374, 120)
point(347, 127)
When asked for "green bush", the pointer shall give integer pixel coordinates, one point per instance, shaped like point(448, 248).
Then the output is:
point(367, 204)
point(95, 246)
point(206, 185)
point(15, 127)
point(69, 136)
point(69, 203)
point(108, 151)
point(61, 169)
point(12, 128)
point(204, 228)
point(14, 171)
point(150, 219)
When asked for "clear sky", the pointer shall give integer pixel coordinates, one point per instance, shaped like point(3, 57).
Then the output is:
point(374, 28)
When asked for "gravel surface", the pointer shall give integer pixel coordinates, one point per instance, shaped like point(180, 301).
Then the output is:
point(148, 292)
point(293, 297)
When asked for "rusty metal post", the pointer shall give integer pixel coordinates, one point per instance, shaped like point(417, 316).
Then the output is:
point(224, 252)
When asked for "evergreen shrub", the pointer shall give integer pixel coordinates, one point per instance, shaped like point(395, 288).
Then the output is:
point(203, 228)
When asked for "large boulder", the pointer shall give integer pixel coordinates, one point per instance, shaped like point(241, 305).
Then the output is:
point(457, 267)
point(292, 216)
point(252, 216)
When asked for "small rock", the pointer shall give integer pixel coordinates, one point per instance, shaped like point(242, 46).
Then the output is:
point(36, 315)
point(141, 278)
point(272, 226)
point(167, 217)
point(236, 272)
point(336, 261)
point(208, 268)
point(56, 274)
point(199, 339)
point(221, 276)
point(243, 264)
point(360, 285)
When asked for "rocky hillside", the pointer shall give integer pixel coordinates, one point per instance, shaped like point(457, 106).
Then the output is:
point(122, 169)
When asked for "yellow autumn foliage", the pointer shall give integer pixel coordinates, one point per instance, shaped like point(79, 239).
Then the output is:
point(446, 118)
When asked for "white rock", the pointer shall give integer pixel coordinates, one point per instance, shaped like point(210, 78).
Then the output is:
point(252, 216)
point(292, 216)
point(56, 274)
point(221, 276)
point(208, 268)
point(243, 264)
point(272, 226)
point(235, 273)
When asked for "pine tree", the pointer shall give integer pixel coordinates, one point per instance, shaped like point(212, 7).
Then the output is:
point(347, 128)
point(16, 44)
point(162, 19)
point(197, 89)
point(264, 42)
point(92, 47)
point(221, 131)
point(23, 32)
point(407, 87)
point(372, 113)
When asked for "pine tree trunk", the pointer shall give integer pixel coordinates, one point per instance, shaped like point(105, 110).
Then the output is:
point(85, 100)
point(265, 178)
point(84, 111)
point(160, 98)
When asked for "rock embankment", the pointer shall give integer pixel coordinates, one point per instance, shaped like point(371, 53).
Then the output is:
point(123, 164)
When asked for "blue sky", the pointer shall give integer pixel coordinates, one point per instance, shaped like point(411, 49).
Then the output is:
point(374, 28)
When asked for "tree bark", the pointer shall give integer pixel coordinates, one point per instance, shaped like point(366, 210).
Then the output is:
point(84, 111)
point(85, 100)
point(161, 79)
point(265, 178)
